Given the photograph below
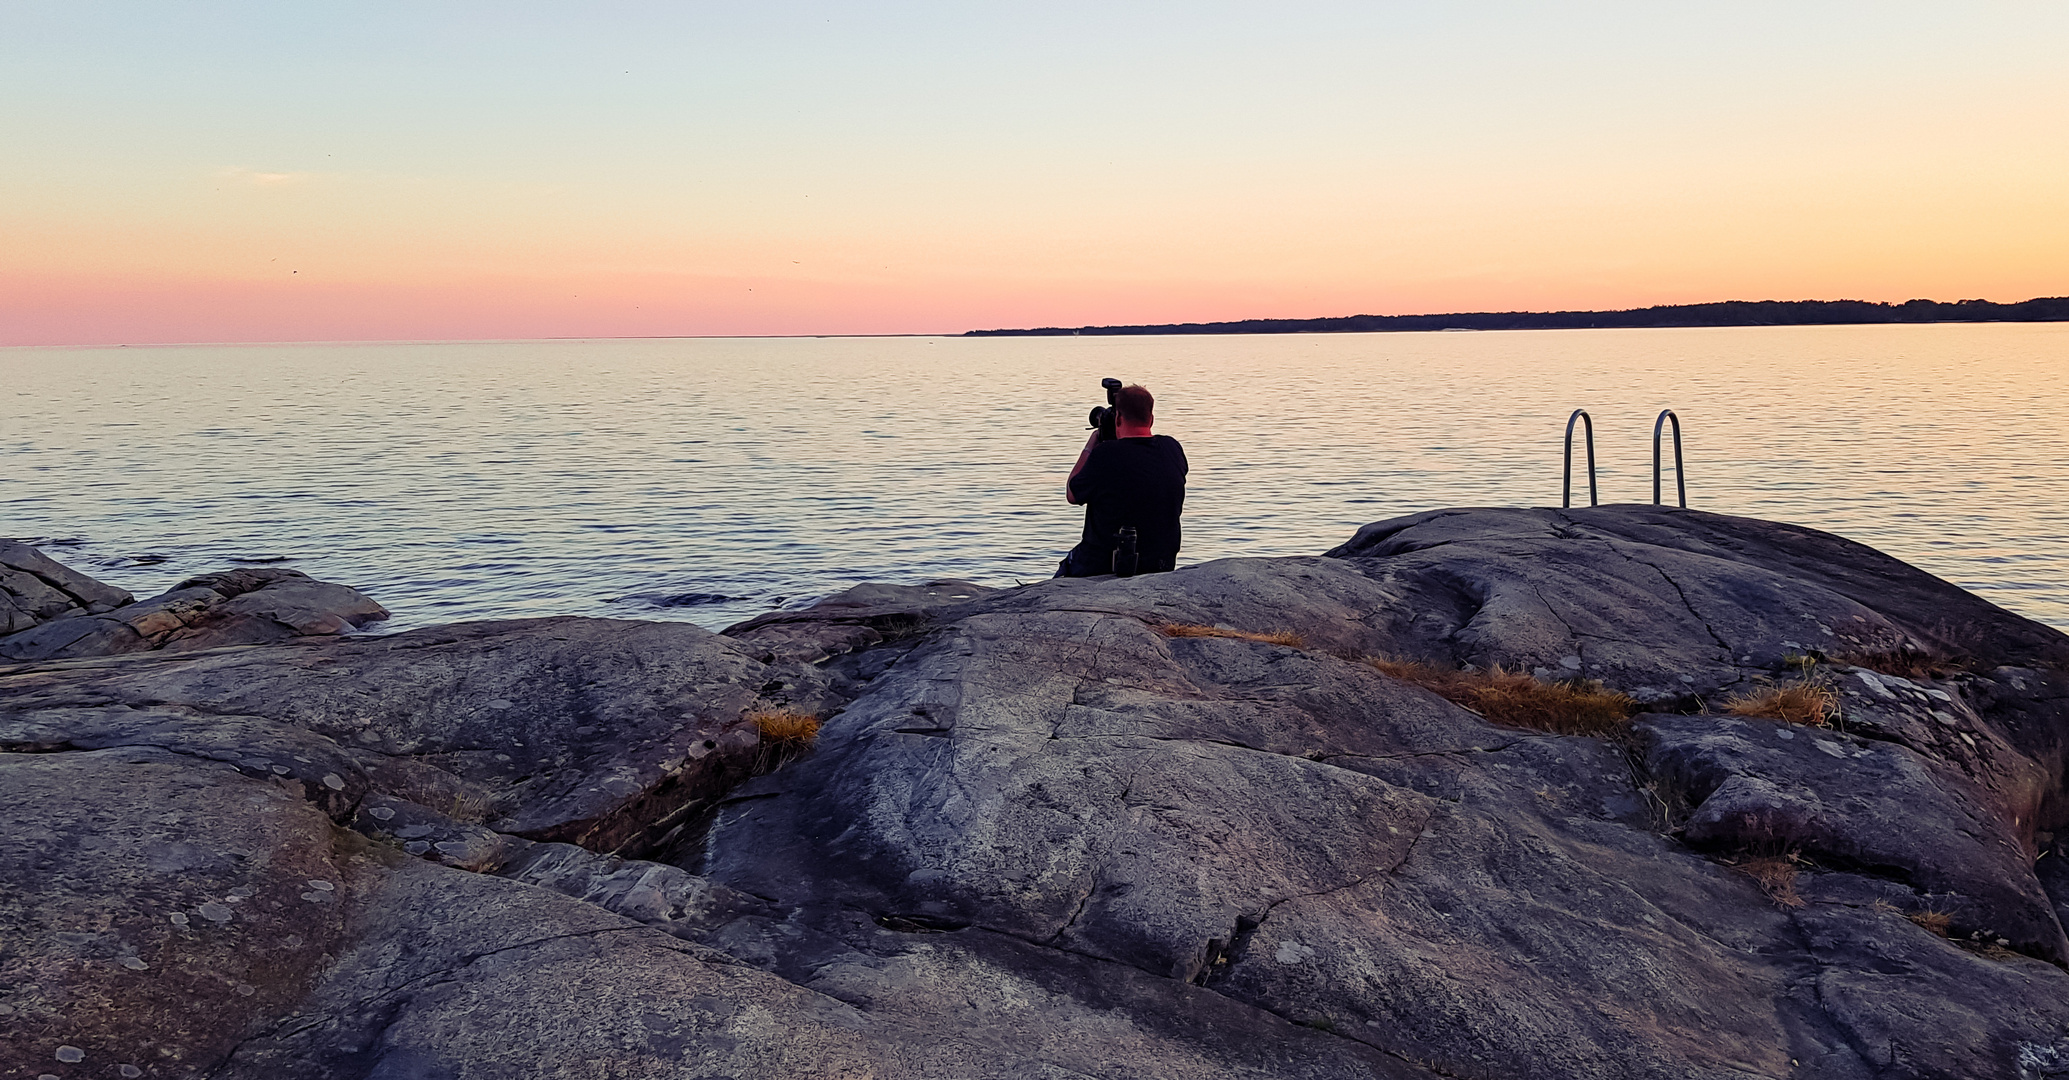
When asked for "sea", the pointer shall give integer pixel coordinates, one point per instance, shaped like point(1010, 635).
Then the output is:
point(711, 479)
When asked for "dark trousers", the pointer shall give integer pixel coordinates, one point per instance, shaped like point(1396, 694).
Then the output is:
point(1084, 563)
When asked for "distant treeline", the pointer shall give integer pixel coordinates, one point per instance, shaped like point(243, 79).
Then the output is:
point(1727, 313)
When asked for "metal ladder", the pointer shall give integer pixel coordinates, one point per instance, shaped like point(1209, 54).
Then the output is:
point(1658, 428)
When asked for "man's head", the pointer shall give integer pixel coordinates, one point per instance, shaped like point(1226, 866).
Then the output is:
point(1134, 408)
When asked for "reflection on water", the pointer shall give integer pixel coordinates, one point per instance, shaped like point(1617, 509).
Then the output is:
point(707, 480)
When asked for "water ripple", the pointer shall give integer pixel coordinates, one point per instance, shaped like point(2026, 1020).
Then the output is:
point(623, 478)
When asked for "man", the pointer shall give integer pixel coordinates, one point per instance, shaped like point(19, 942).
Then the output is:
point(1135, 478)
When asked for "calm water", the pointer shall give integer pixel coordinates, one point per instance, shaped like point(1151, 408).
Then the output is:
point(708, 480)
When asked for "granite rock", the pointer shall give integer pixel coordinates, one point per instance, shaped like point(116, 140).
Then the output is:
point(601, 732)
point(1173, 825)
point(1669, 604)
point(856, 618)
point(1770, 788)
point(35, 588)
point(153, 908)
point(238, 607)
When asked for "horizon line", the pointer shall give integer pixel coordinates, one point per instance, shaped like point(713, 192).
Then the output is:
point(1226, 327)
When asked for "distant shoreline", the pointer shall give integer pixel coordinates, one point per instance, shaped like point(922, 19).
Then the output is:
point(1726, 313)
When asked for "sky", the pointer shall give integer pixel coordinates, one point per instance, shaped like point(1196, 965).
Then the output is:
point(425, 171)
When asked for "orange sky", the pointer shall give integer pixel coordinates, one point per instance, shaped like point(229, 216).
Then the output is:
point(244, 174)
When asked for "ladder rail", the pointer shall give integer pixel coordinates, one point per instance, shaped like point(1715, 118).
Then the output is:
point(1588, 424)
point(1680, 473)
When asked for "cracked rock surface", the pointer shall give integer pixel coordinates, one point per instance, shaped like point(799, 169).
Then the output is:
point(1038, 836)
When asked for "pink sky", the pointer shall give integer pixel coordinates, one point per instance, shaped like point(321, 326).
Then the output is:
point(247, 174)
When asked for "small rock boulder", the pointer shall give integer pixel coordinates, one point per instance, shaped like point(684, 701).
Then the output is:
point(35, 588)
point(239, 607)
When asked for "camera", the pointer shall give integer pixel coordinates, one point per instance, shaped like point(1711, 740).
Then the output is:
point(1102, 416)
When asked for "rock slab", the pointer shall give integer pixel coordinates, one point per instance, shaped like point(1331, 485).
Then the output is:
point(238, 607)
point(35, 588)
point(1042, 833)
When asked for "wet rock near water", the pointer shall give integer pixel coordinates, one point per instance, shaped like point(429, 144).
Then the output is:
point(857, 618)
point(238, 607)
point(35, 589)
point(1175, 825)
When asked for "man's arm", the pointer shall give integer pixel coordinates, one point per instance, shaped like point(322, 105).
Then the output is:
point(1084, 455)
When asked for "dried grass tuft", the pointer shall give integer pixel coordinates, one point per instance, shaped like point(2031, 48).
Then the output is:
point(471, 807)
point(1904, 662)
point(786, 729)
point(1776, 876)
point(1798, 703)
point(1277, 637)
point(1939, 922)
point(1514, 699)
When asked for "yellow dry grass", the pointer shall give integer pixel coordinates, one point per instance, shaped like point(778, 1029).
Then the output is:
point(1776, 876)
point(786, 729)
point(1797, 703)
point(470, 807)
point(1513, 699)
point(1277, 637)
point(1939, 922)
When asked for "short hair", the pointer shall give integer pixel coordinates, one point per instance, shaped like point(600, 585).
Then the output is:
point(1133, 404)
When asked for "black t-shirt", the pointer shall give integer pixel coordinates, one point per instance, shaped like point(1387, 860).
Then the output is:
point(1139, 482)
